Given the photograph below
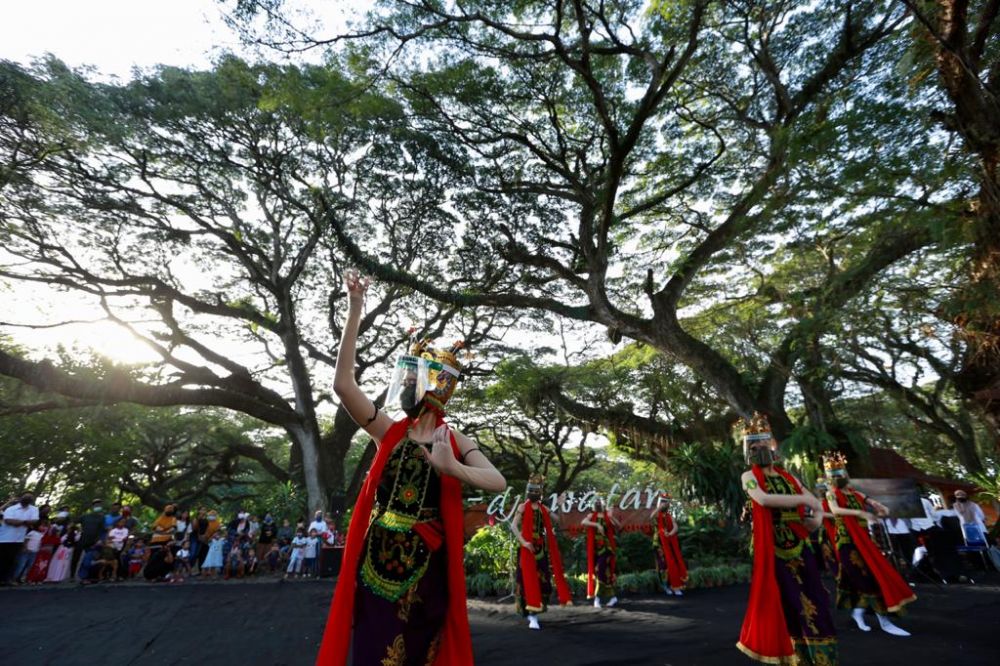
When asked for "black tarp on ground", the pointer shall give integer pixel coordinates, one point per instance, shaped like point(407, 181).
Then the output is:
point(280, 623)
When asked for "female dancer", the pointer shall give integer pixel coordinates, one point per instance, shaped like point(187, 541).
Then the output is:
point(788, 618)
point(602, 550)
point(865, 578)
point(539, 559)
point(670, 566)
point(400, 597)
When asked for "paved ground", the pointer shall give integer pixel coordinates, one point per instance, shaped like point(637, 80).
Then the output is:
point(280, 623)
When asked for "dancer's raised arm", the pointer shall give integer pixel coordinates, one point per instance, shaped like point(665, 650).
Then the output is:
point(345, 384)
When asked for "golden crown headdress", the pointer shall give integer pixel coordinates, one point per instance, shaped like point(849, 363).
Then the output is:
point(753, 429)
point(449, 356)
point(535, 482)
point(835, 461)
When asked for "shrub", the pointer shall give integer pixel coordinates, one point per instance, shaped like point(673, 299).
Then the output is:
point(490, 551)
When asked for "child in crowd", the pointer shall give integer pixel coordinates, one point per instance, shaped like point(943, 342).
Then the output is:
point(234, 563)
point(273, 558)
point(182, 564)
point(297, 554)
point(250, 562)
point(311, 551)
point(136, 557)
point(32, 544)
point(213, 561)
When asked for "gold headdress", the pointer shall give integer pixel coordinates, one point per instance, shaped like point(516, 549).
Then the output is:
point(536, 482)
point(755, 428)
point(835, 464)
point(444, 371)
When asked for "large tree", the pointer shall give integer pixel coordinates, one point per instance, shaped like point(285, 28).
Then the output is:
point(960, 42)
point(195, 210)
point(630, 167)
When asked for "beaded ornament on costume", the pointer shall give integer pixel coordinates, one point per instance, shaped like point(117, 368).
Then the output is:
point(396, 556)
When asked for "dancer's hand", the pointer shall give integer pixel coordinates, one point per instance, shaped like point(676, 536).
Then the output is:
point(355, 285)
point(528, 545)
point(440, 455)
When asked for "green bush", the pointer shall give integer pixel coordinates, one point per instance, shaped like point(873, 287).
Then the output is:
point(635, 552)
point(490, 551)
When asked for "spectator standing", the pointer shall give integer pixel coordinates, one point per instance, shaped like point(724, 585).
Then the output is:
point(130, 521)
point(91, 531)
point(136, 557)
point(59, 567)
point(18, 515)
point(182, 562)
point(297, 554)
point(112, 516)
point(182, 531)
point(254, 529)
point(969, 512)
point(26, 558)
point(268, 534)
point(207, 529)
point(117, 536)
point(40, 567)
point(163, 528)
point(318, 523)
point(213, 554)
point(234, 562)
point(285, 532)
point(311, 553)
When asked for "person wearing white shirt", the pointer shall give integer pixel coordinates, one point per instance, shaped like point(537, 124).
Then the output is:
point(969, 512)
point(318, 523)
point(297, 555)
point(311, 551)
point(17, 517)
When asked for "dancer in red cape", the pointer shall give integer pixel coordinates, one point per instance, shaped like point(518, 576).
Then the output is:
point(602, 551)
point(539, 560)
point(866, 578)
point(788, 618)
point(400, 596)
point(670, 565)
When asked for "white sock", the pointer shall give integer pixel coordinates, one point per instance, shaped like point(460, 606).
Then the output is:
point(858, 615)
point(612, 601)
point(889, 628)
point(533, 622)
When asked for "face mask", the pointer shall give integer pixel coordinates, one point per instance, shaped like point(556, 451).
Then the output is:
point(62, 514)
point(841, 482)
point(99, 509)
point(761, 456)
point(25, 501)
point(212, 516)
point(963, 500)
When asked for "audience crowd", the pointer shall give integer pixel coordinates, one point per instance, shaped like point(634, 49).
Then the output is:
point(38, 545)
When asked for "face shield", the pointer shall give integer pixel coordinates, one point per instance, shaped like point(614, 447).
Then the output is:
point(413, 378)
point(757, 449)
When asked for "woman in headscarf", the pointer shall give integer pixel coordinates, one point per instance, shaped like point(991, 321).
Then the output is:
point(400, 597)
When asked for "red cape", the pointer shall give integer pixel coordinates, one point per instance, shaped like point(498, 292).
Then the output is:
point(529, 568)
point(896, 593)
point(455, 648)
point(764, 635)
point(609, 534)
point(677, 572)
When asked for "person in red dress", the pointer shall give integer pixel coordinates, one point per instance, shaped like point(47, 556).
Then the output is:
point(788, 619)
point(539, 560)
point(670, 566)
point(866, 579)
point(400, 596)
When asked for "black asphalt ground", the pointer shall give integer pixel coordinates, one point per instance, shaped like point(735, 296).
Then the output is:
point(267, 622)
